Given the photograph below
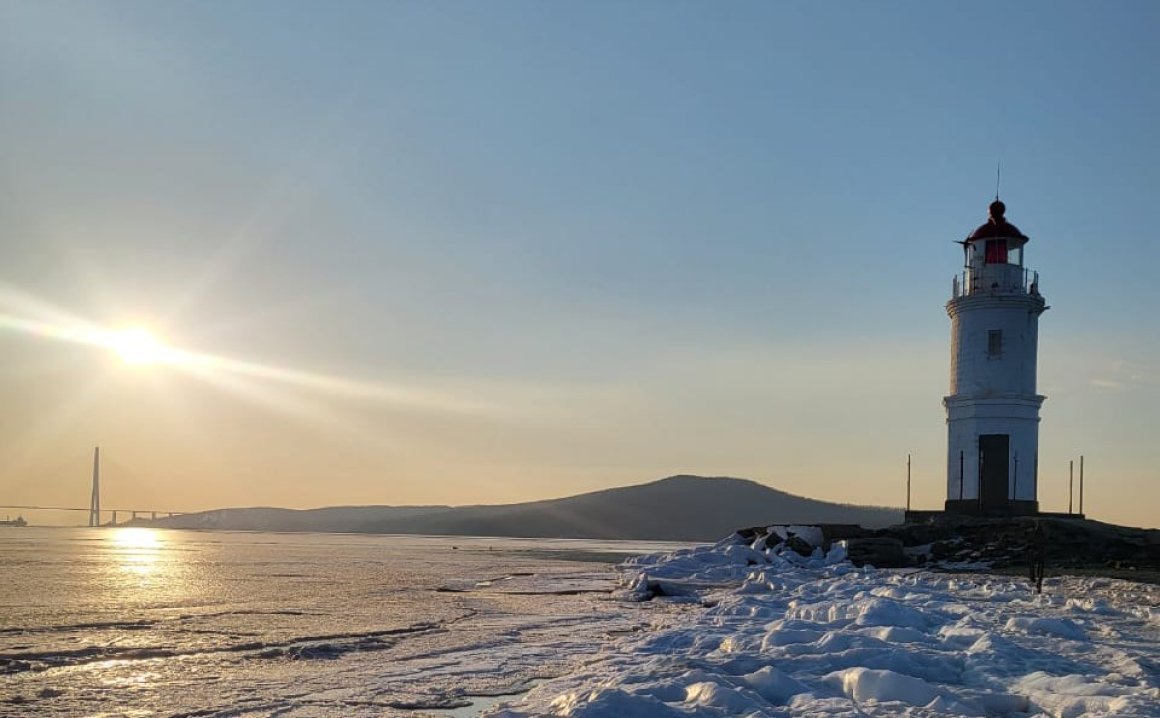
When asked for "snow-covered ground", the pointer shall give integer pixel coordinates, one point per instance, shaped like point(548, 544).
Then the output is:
point(772, 633)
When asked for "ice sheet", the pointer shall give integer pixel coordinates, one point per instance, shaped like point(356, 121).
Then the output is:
point(767, 632)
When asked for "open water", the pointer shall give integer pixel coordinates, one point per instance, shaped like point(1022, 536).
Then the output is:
point(139, 622)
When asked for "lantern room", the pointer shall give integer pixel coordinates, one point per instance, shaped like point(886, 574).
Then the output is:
point(993, 259)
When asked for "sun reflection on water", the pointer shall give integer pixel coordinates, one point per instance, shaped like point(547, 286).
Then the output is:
point(136, 537)
point(137, 550)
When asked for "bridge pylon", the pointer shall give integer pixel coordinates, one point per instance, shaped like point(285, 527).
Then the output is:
point(95, 501)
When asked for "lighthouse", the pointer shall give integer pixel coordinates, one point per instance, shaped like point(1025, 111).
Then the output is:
point(993, 407)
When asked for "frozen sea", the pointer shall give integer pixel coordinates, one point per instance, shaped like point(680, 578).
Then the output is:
point(102, 623)
point(138, 622)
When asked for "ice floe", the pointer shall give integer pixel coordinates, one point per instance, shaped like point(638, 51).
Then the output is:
point(781, 627)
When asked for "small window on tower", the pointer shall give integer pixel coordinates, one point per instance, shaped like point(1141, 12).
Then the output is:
point(994, 343)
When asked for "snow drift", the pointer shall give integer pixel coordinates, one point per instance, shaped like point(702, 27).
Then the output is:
point(778, 627)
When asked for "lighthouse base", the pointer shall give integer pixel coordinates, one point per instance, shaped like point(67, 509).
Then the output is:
point(973, 507)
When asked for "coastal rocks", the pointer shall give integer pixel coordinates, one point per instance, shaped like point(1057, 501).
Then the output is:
point(862, 546)
point(798, 545)
point(964, 542)
point(877, 551)
point(1063, 543)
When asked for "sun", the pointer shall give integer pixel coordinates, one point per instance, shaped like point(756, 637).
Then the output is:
point(137, 345)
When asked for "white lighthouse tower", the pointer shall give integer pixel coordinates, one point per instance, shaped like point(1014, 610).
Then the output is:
point(993, 408)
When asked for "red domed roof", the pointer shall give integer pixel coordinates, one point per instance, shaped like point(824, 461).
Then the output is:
point(997, 225)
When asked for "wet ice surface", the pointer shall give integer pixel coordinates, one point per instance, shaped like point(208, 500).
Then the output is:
point(771, 633)
point(140, 623)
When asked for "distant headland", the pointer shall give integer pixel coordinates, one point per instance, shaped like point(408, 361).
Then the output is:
point(677, 508)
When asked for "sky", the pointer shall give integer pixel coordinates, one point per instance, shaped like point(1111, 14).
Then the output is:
point(460, 253)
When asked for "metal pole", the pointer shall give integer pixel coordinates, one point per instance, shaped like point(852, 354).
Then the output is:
point(1070, 482)
point(1015, 480)
point(1081, 484)
point(908, 482)
point(1035, 480)
point(979, 481)
point(960, 476)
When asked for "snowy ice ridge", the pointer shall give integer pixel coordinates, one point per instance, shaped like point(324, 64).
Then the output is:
point(769, 632)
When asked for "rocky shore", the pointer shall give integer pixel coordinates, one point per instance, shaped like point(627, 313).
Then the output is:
point(1007, 544)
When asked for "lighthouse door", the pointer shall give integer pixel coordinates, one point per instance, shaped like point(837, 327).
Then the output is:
point(994, 460)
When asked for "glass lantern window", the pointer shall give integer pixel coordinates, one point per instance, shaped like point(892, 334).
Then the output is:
point(996, 251)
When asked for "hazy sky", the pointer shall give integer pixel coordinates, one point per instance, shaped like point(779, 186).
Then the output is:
point(463, 252)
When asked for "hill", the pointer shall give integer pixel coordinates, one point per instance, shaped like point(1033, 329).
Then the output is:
point(678, 508)
point(334, 519)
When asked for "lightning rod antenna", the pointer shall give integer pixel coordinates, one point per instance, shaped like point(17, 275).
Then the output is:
point(998, 168)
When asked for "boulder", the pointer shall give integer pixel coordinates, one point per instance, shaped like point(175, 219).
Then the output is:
point(878, 551)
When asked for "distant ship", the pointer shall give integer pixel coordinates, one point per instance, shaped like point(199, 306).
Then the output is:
point(18, 521)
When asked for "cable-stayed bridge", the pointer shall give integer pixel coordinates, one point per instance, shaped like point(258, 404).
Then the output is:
point(94, 508)
point(114, 513)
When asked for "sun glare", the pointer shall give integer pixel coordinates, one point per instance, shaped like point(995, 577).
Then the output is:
point(137, 550)
point(136, 345)
point(136, 537)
